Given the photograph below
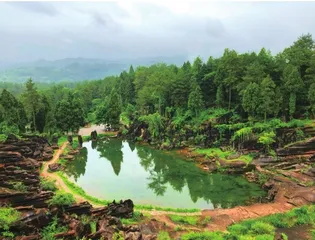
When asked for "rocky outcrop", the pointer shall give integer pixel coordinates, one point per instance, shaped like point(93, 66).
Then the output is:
point(19, 171)
point(54, 167)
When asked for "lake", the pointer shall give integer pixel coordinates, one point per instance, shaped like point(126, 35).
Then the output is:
point(116, 169)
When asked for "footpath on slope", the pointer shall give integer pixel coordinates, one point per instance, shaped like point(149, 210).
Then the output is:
point(59, 182)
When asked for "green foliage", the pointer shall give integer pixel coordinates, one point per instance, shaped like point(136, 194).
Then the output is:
point(260, 228)
point(267, 138)
point(136, 218)
point(180, 219)
point(195, 100)
point(202, 236)
point(62, 199)
point(262, 178)
point(206, 220)
point(52, 229)
point(48, 185)
point(19, 186)
point(69, 114)
point(3, 137)
point(284, 236)
point(155, 123)
point(118, 236)
point(243, 134)
point(163, 236)
point(8, 216)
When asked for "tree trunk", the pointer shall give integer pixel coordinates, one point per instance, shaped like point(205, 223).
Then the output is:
point(230, 96)
point(34, 122)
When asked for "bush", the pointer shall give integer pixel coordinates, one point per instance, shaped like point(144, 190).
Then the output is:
point(202, 236)
point(48, 185)
point(136, 217)
point(19, 186)
point(238, 229)
point(62, 199)
point(8, 216)
point(191, 220)
point(163, 236)
point(3, 137)
point(118, 236)
point(260, 228)
point(52, 229)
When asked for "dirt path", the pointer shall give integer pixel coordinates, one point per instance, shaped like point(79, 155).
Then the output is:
point(59, 182)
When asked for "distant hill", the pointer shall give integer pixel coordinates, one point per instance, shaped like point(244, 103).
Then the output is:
point(76, 69)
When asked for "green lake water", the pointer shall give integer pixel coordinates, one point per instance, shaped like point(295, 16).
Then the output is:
point(116, 169)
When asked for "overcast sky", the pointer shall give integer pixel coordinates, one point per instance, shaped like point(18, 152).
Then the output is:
point(53, 30)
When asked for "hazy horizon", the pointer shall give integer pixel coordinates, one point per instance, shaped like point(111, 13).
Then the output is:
point(128, 30)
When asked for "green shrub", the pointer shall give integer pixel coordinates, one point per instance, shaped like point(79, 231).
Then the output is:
point(19, 186)
point(118, 236)
point(163, 236)
point(206, 220)
point(264, 237)
point(202, 236)
point(262, 178)
point(136, 217)
point(3, 137)
point(48, 185)
point(238, 229)
point(8, 216)
point(62, 199)
point(191, 220)
point(262, 228)
point(52, 229)
point(284, 236)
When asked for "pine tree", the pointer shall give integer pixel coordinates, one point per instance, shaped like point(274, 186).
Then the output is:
point(195, 100)
point(268, 97)
point(251, 99)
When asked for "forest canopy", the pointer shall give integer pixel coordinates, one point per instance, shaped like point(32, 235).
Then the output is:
point(255, 86)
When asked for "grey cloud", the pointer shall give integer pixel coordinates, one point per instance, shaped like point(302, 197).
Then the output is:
point(105, 30)
point(37, 7)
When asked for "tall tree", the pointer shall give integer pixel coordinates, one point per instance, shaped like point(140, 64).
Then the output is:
point(69, 114)
point(31, 101)
point(13, 112)
point(268, 103)
point(251, 99)
point(311, 98)
point(292, 84)
point(195, 100)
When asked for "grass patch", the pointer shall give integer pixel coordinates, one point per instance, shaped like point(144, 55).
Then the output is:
point(203, 236)
point(52, 229)
point(62, 140)
point(163, 236)
point(261, 228)
point(8, 216)
point(136, 218)
point(62, 199)
point(218, 153)
point(48, 185)
point(186, 220)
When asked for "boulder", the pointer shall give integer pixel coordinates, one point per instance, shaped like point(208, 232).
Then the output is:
point(54, 167)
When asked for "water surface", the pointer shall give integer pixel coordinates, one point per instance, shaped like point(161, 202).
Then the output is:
point(116, 169)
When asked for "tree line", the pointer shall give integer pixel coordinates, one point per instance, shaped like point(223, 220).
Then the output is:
point(255, 86)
